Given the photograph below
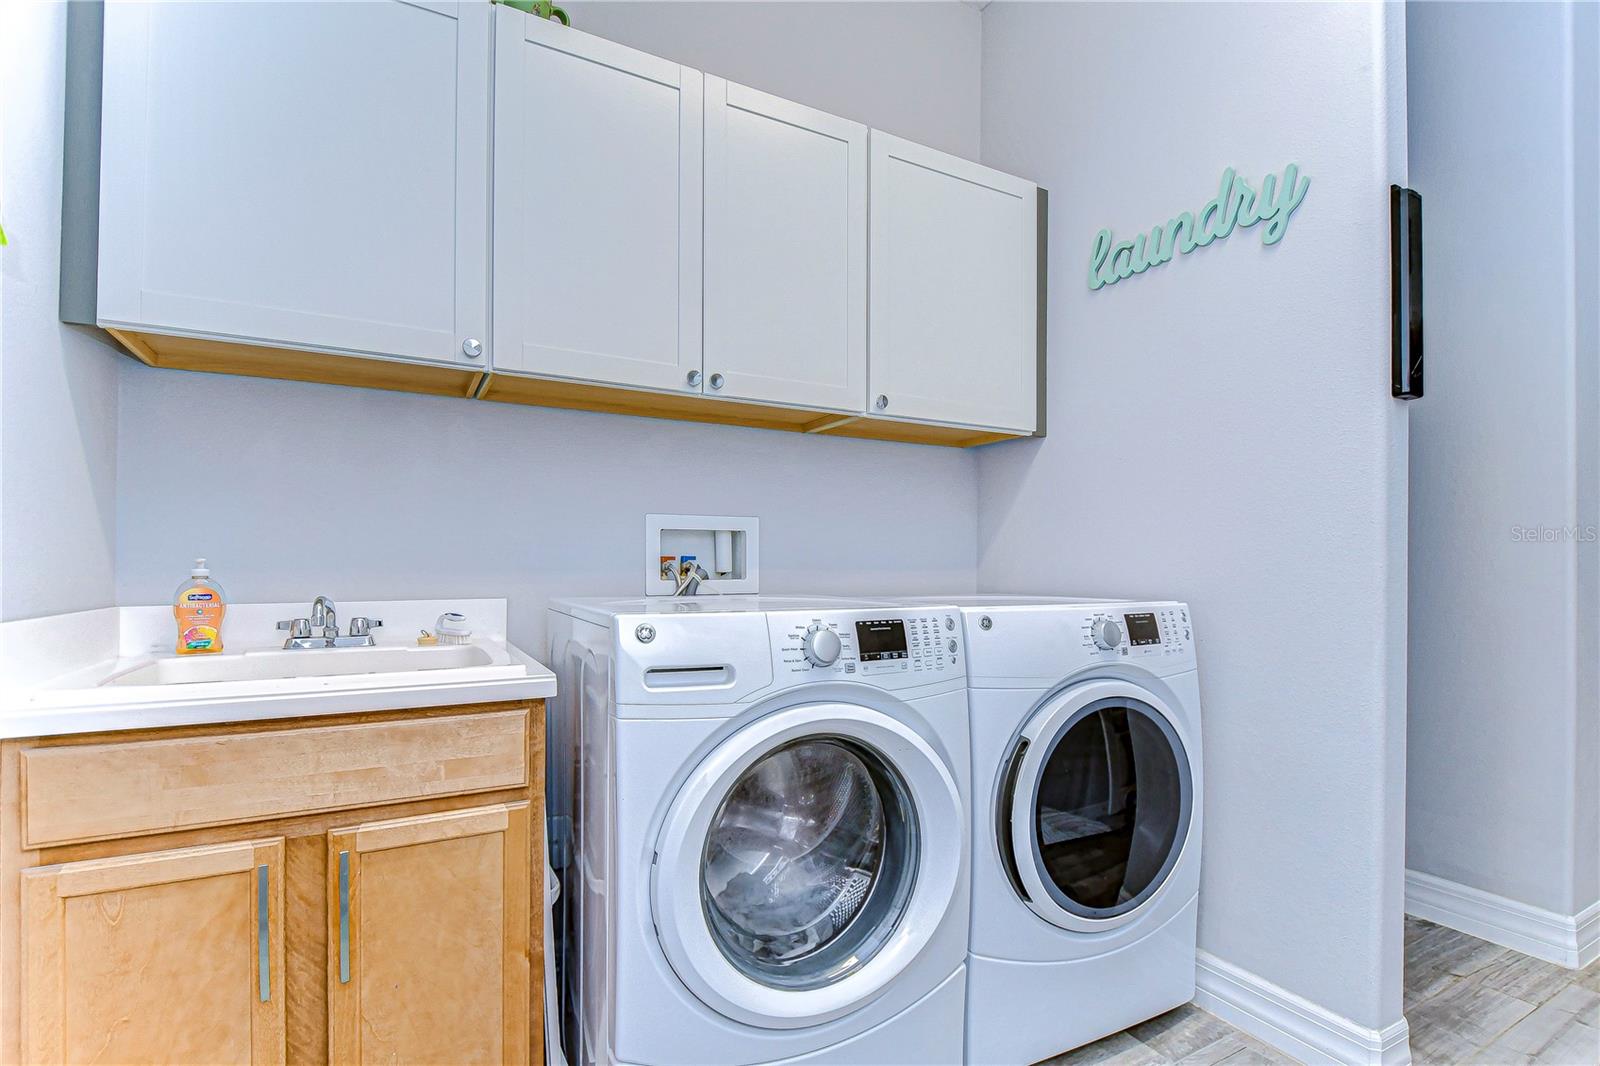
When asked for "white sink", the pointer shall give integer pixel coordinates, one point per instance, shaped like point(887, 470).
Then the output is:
point(309, 662)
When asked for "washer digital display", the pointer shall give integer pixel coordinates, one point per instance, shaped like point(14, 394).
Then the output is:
point(881, 639)
point(1142, 629)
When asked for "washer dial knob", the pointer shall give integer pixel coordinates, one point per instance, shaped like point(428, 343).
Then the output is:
point(822, 646)
point(1107, 634)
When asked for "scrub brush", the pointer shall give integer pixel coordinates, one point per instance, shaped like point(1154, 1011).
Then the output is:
point(452, 628)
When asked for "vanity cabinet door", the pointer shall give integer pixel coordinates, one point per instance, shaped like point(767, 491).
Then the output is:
point(954, 259)
point(786, 252)
point(428, 939)
point(298, 175)
point(171, 956)
point(597, 208)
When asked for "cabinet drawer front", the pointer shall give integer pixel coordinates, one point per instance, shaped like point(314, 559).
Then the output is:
point(99, 791)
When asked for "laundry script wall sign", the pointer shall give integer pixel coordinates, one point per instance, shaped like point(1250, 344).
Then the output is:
point(1237, 204)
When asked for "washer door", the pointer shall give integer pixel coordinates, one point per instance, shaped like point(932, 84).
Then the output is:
point(1095, 805)
point(806, 863)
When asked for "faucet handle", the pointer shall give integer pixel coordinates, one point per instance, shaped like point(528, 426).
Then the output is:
point(361, 627)
point(297, 627)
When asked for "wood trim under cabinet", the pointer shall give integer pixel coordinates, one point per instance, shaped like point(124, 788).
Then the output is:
point(292, 364)
point(689, 407)
point(250, 360)
point(917, 433)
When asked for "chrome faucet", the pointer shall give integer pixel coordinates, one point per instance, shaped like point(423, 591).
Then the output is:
point(324, 617)
point(321, 630)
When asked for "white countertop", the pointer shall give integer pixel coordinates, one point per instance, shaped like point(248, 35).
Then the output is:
point(58, 674)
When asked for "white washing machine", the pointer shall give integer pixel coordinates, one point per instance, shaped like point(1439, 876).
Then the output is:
point(769, 809)
point(1086, 820)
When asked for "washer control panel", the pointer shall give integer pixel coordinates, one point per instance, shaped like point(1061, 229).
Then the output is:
point(879, 644)
point(1159, 630)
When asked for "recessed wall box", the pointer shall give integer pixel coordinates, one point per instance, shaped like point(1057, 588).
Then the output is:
point(727, 548)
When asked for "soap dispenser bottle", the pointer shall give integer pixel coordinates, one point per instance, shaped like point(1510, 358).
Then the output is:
point(198, 608)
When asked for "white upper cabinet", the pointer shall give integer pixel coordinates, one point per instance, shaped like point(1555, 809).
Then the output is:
point(786, 251)
point(310, 175)
point(954, 261)
point(597, 208)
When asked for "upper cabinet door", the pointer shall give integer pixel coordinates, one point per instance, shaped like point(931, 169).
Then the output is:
point(309, 175)
point(954, 264)
point(786, 251)
point(597, 208)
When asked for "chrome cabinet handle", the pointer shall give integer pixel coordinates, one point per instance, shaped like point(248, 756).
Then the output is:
point(716, 381)
point(263, 956)
point(693, 378)
point(472, 348)
point(881, 402)
point(344, 917)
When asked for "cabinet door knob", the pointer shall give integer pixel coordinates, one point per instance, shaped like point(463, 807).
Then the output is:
point(716, 381)
point(472, 348)
point(694, 378)
point(881, 402)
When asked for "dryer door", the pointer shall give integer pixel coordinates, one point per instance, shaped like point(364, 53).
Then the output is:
point(1097, 798)
point(806, 863)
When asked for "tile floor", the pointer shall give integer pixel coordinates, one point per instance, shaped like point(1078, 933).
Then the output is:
point(1187, 1035)
point(1468, 1002)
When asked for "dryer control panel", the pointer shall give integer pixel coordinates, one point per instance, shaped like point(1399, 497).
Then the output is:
point(880, 645)
point(1138, 631)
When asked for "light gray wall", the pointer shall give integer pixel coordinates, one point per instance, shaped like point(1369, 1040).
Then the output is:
point(314, 489)
point(1222, 432)
point(1586, 335)
point(908, 68)
point(1503, 788)
point(58, 384)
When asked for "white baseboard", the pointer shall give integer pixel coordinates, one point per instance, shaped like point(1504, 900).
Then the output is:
point(1571, 940)
point(1291, 1023)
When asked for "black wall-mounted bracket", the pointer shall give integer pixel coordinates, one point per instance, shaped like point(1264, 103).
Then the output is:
point(1405, 254)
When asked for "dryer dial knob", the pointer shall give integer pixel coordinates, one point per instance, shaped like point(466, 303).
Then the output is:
point(1107, 634)
point(822, 646)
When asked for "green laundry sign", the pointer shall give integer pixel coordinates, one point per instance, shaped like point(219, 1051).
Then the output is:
point(1237, 204)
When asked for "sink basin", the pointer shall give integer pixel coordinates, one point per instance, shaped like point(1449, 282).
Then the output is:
point(314, 662)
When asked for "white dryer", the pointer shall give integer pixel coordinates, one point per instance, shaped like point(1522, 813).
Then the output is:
point(1087, 820)
point(769, 804)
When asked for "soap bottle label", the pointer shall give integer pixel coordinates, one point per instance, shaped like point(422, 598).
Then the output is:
point(199, 615)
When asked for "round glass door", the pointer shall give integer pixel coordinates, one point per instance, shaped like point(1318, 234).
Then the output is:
point(1104, 799)
point(808, 863)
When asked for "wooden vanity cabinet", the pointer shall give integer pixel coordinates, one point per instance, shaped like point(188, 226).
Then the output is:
point(344, 889)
